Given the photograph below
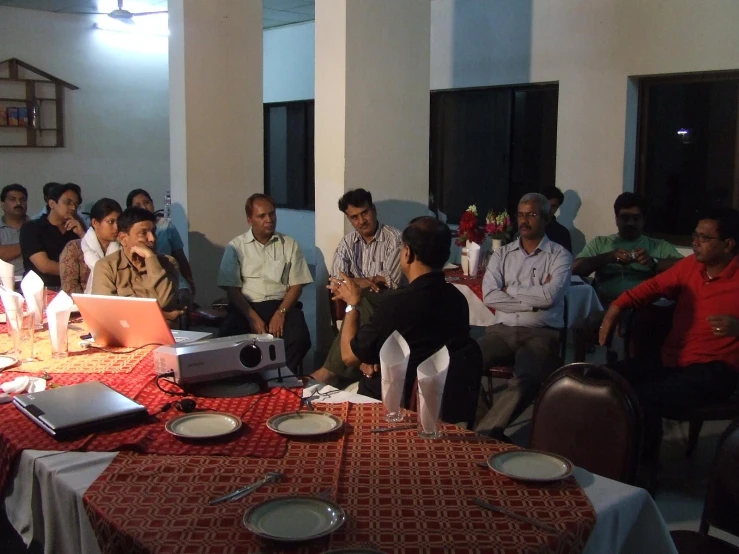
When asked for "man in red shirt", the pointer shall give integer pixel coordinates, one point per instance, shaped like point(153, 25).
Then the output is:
point(700, 358)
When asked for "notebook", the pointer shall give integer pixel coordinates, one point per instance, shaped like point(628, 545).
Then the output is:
point(65, 412)
point(130, 322)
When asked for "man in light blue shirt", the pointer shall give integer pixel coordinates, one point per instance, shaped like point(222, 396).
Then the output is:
point(525, 282)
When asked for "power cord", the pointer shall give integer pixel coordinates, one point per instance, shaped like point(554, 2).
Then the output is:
point(163, 376)
point(91, 345)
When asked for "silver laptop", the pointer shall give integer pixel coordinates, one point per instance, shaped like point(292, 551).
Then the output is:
point(79, 409)
point(131, 322)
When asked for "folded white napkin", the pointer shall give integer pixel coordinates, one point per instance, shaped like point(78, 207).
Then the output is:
point(7, 274)
point(473, 258)
point(57, 316)
point(432, 374)
point(394, 356)
point(33, 291)
point(464, 262)
point(24, 383)
point(13, 304)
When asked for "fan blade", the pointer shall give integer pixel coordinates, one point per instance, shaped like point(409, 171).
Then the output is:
point(148, 13)
point(120, 4)
point(85, 13)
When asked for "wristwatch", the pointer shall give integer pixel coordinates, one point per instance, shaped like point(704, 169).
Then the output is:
point(349, 308)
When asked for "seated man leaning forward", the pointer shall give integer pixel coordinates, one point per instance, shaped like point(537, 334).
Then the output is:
point(136, 269)
point(699, 362)
point(369, 256)
point(429, 313)
point(526, 282)
point(263, 273)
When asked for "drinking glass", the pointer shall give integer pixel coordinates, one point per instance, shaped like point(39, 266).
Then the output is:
point(23, 330)
point(62, 347)
point(392, 395)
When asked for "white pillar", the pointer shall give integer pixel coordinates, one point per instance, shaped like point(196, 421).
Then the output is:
point(371, 118)
point(216, 125)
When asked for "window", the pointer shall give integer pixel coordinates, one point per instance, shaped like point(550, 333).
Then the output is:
point(491, 146)
point(687, 149)
point(289, 176)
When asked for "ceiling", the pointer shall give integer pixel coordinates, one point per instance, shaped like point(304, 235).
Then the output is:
point(276, 12)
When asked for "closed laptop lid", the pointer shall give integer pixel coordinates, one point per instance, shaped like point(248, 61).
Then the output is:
point(74, 405)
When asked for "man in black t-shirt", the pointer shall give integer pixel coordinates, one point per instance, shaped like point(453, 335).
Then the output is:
point(429, 313)
point(42, 240)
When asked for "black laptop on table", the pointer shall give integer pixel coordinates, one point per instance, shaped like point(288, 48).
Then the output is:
point(75, 410)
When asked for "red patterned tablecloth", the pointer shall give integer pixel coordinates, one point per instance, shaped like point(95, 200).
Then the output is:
point(400, 493)
point(474, 283)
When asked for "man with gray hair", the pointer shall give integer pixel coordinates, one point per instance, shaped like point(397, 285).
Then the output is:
point(525, 281)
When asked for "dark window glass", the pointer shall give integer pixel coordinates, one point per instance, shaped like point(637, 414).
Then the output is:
point(687, 149)
point(289, 176)
point(491, 146)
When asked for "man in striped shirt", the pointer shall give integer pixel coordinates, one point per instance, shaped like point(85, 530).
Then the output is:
point(370, 256)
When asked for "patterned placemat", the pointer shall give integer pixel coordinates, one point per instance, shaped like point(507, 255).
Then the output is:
point(145, 504)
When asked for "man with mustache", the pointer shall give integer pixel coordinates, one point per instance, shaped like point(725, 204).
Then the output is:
point(14, 199)
point(620, 262)
point(42, 240)
point(699, 360)
point(263, 273)
point(526, 282)
point(370, 256)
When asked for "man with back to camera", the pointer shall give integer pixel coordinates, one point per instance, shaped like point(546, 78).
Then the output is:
point(42, 240)
point(14, 199)
point(263, 273)
point(370, 256)
point(620, 262)
point(526, 282)
point(699, 360)
point(136, 270)
point(429, 313)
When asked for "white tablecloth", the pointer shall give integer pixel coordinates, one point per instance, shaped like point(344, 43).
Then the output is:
point(44, 501)
point(581, 302)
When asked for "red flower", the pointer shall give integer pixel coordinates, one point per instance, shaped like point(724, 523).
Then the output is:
point(468, 230)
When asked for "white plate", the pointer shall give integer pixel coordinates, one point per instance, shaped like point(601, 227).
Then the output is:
point(304, 424)
point(531, 465)
point(7, 361)
point(205, 425)
point(294, 518)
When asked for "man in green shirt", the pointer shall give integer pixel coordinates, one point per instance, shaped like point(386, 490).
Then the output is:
point(621, 261)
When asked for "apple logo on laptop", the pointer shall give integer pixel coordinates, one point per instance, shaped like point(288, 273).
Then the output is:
point(124, 324)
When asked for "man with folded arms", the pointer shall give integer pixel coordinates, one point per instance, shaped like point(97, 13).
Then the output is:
point(14, 199)
point(429, 313)
point(526, 282)
point(263, 273)
point(136, 270)
point(699, 360)
point(369, 256)
point(42, 240)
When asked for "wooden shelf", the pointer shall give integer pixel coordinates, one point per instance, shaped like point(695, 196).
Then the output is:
point(27, 127)
point(24, 101)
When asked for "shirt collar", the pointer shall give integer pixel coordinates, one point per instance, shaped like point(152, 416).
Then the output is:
point(545, 246)
point(379, 236)
point(250, 237)
point(4, 224)
point(728, 272)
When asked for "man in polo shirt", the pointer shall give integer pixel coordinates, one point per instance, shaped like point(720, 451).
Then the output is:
point(43, 239)
point(370, 256)
point(699, 361)
point(263, 273)
point(526, 282)
point(14, 199)
point(136, 270)
point(429, 313)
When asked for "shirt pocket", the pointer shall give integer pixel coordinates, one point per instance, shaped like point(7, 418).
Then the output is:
point(275, 270)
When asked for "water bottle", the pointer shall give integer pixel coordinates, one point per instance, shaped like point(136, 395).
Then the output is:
point(167, 213)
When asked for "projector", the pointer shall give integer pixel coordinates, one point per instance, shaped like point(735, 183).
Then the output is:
point(214, 359)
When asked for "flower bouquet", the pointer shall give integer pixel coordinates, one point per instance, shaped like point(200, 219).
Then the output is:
point(498, 227)
point(468, 230)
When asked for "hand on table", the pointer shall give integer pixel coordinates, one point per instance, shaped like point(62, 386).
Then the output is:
point(277, 324)
point(724, 325)
point(369, 370)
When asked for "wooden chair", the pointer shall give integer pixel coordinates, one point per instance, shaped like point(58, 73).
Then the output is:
point(722, 501)
point(590, 415)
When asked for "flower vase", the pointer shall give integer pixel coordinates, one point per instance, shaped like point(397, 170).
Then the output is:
point(497, 244)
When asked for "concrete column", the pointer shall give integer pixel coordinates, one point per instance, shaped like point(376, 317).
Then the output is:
point(216, 126)
point(372, 118)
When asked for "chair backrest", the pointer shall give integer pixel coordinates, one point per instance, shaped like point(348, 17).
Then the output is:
point(590, 415)
point(73, 270)
point(722, 498)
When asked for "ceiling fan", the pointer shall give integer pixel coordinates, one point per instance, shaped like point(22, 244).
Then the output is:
point(120, 14)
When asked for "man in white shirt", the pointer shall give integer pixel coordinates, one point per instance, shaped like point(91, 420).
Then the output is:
point(526, 282)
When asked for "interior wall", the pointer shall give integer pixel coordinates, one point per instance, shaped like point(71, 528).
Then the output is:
point(117, 135)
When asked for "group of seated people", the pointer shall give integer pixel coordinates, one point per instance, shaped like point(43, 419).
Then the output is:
point(394, 281)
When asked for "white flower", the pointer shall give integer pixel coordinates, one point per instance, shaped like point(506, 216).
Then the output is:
point(473, 209)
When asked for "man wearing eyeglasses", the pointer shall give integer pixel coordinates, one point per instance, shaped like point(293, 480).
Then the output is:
point(699, 360)
point(526, 282)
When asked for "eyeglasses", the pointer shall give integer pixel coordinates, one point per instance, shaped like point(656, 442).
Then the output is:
point(68, 202)
point(703, 238)
point(527, 215)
